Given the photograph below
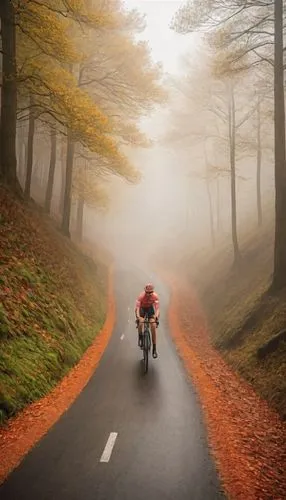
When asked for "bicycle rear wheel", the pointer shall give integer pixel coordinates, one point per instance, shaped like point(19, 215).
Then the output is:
point(146, 351)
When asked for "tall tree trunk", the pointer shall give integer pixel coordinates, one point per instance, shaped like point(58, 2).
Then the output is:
point(18, 150)
point(30, 151)
point(63, 174)
point(218, 219)
point(52, 168)
point(68, 185)
point(232, 149)
point(8, 163)
point(79, 219)
point(42, 175)
point(258, 166)
point(279, 273)
point(207, 175)
point(210, 212)
point(21, 160)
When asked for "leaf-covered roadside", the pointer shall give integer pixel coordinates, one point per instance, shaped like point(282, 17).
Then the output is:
point(52, 304)
point(246, 436)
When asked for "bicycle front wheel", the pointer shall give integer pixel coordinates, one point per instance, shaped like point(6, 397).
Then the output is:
point(146, 353)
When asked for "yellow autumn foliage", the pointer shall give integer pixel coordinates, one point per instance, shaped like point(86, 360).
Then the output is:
point(129, 134)
point(41, 32)
point(54, 89)
point(121, 76)
point(80, 62)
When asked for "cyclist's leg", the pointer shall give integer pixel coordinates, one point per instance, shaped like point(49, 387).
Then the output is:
point(140, 326)
point(153, 331)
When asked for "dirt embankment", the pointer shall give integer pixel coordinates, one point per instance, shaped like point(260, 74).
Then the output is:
point(229, 333)
point(246, 323)
point(52, 304)
point(57, 313)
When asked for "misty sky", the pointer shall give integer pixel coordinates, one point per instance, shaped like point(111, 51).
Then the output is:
point(156, 204)
point(167, 203)
point(164, 204)
point(167, 46)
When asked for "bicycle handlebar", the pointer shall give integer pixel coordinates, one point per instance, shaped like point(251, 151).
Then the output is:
point(146, 322)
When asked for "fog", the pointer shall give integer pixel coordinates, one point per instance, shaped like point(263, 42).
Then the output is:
point(170, 208)
point(207, 176)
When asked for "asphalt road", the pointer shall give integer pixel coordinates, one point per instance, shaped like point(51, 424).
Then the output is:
point(148, 428)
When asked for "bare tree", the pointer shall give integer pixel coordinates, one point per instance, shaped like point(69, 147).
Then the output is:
point(260, 36)
point(220, 103)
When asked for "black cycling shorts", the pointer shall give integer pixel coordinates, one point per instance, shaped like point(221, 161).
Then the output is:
point(150, 311)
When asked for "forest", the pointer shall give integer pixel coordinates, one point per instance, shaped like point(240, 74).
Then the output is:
point(138, 147)
point(69, 112)
point(230, 110)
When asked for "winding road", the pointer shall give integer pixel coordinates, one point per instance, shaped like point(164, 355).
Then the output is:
point(128, 436)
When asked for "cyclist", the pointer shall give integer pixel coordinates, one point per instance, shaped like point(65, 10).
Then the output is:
point(147, 303)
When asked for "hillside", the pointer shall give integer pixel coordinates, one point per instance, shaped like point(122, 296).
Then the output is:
point(52, 304)
point(246, 324)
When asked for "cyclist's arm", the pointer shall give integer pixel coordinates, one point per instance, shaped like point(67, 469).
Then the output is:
point(157, 307)
point(137, 307)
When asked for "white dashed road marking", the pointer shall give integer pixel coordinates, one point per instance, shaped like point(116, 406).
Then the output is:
point(105, 457)
point(122, 336)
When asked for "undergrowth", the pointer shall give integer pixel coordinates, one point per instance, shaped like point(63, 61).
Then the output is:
point(52, 304)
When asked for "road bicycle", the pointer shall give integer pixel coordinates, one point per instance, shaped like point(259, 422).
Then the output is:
point(146, 342)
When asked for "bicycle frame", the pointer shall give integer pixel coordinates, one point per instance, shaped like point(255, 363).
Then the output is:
point(146, 343)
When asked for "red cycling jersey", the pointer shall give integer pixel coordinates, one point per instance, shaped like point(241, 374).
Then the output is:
point(146, 300)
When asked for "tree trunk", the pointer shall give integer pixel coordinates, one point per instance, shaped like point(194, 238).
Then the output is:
point(218, 219)
point(79, 219)
point(43, 181)
point(232, 147)
point(258, 166)
point(18, 150)
point(207, 174)
point(63, 174)
point(68, 186)
point(8, 163)
point(21, 155)
point(210, 212)
point(52, 168)
point(279, 273)
point(30, 151)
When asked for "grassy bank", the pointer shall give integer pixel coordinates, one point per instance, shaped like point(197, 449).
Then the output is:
point(52, 304)
point(244, 320)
